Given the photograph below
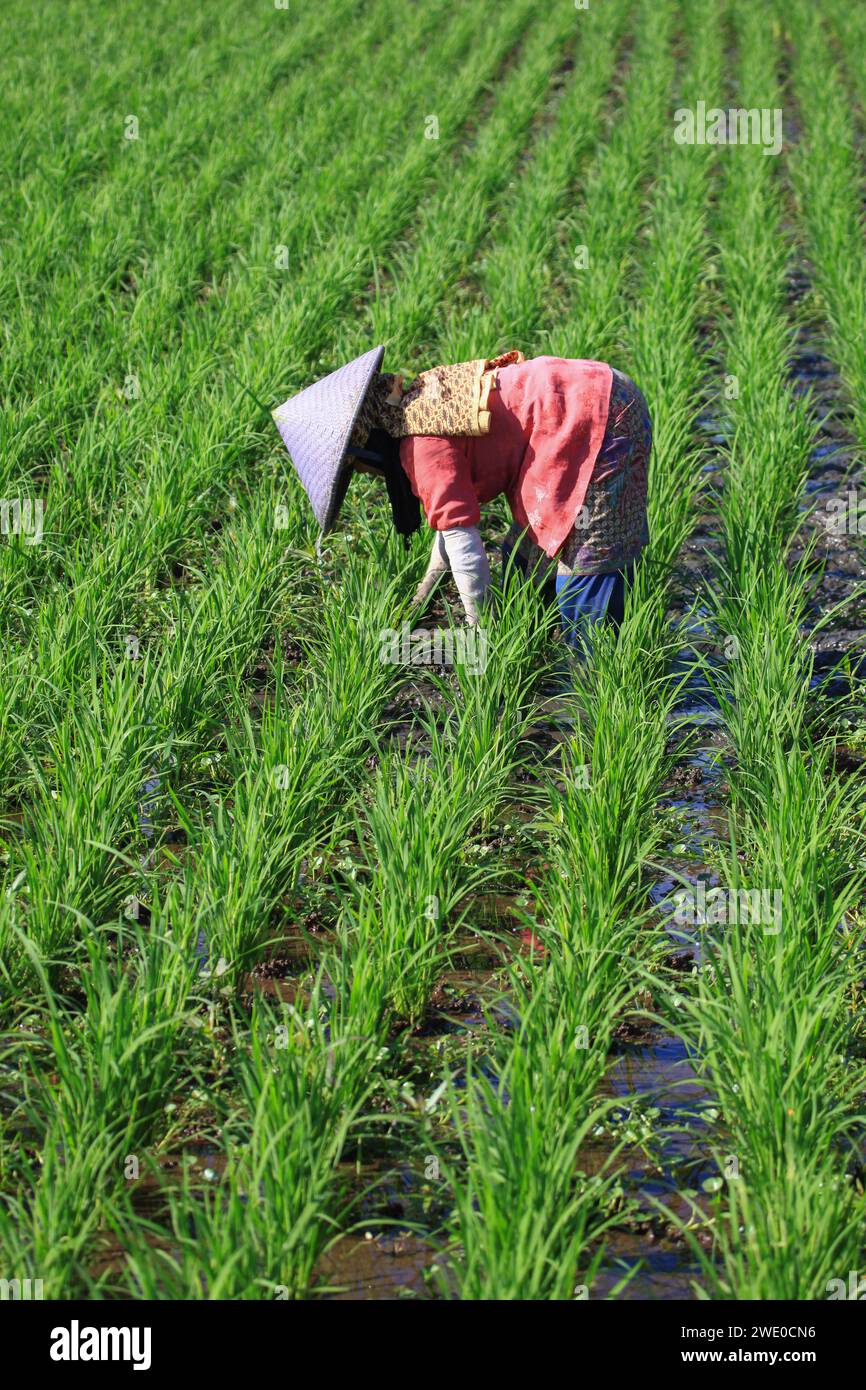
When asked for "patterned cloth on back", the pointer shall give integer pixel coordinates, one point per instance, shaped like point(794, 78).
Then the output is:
point(449, 400)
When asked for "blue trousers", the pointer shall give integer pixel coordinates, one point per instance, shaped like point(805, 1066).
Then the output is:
point(585, 600)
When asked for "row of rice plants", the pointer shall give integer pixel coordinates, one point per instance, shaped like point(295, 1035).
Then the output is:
point(671, 288)
point(518, 1124)
point(828, 176)
point(171, 231)
point(422, 808)
point(847, 24)
point(62, 643)
point(263, 1136)
point(605, 225)
point(426, 809)
point(176, 502)
point(513, 300)
point(356, 988)
point(87, 1083)
point(769, 1016)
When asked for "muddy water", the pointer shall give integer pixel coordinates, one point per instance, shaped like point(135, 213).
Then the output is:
point(660, 1071)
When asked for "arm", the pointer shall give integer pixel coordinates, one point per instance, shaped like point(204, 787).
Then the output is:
point(438, 469)
point(436, 568)
point(468, 560)
point(459, 549)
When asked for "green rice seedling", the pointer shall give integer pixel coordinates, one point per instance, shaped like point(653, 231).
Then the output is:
point(596, 898)
point(605, 223)
point(826, 180)
point(118, 1061)
point(237, 864)
point(277, 813)
point(201, 1249)
point(305, 1075)
point(760, 508)
point(413, 838)
point(15, 698)
point(790, 1220)
point(71, 854)
point(358, 610)
point(762, 686)
point(496, 695)
point(93, 1088)
point(800, 826)
point(72, 626)
point(672, 289)
point(263, 1228)
point(50, 1221)
point(303, 1087)
point(771, 1026)
point(526, 1222)
point(515, 289)
point(618, 758)
point(426, 808)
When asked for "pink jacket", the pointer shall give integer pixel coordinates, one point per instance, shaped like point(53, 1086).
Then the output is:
point(548, 418)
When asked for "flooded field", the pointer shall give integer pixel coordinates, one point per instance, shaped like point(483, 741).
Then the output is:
point(328, 976)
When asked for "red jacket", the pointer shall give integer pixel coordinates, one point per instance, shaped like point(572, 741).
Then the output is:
point(547, 422)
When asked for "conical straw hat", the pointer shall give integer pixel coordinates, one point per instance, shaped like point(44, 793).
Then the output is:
point(316, 425)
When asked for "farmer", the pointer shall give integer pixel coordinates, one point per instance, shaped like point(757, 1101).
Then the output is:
point(566, 440)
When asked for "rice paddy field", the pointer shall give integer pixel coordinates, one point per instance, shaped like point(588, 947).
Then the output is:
point(326, 975)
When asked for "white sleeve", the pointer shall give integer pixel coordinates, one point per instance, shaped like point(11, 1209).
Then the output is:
point(468, 560)
point(436, 568)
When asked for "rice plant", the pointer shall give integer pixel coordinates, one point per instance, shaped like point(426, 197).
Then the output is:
point(274, 889)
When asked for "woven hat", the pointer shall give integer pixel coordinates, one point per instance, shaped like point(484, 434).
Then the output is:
point(316, 425)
